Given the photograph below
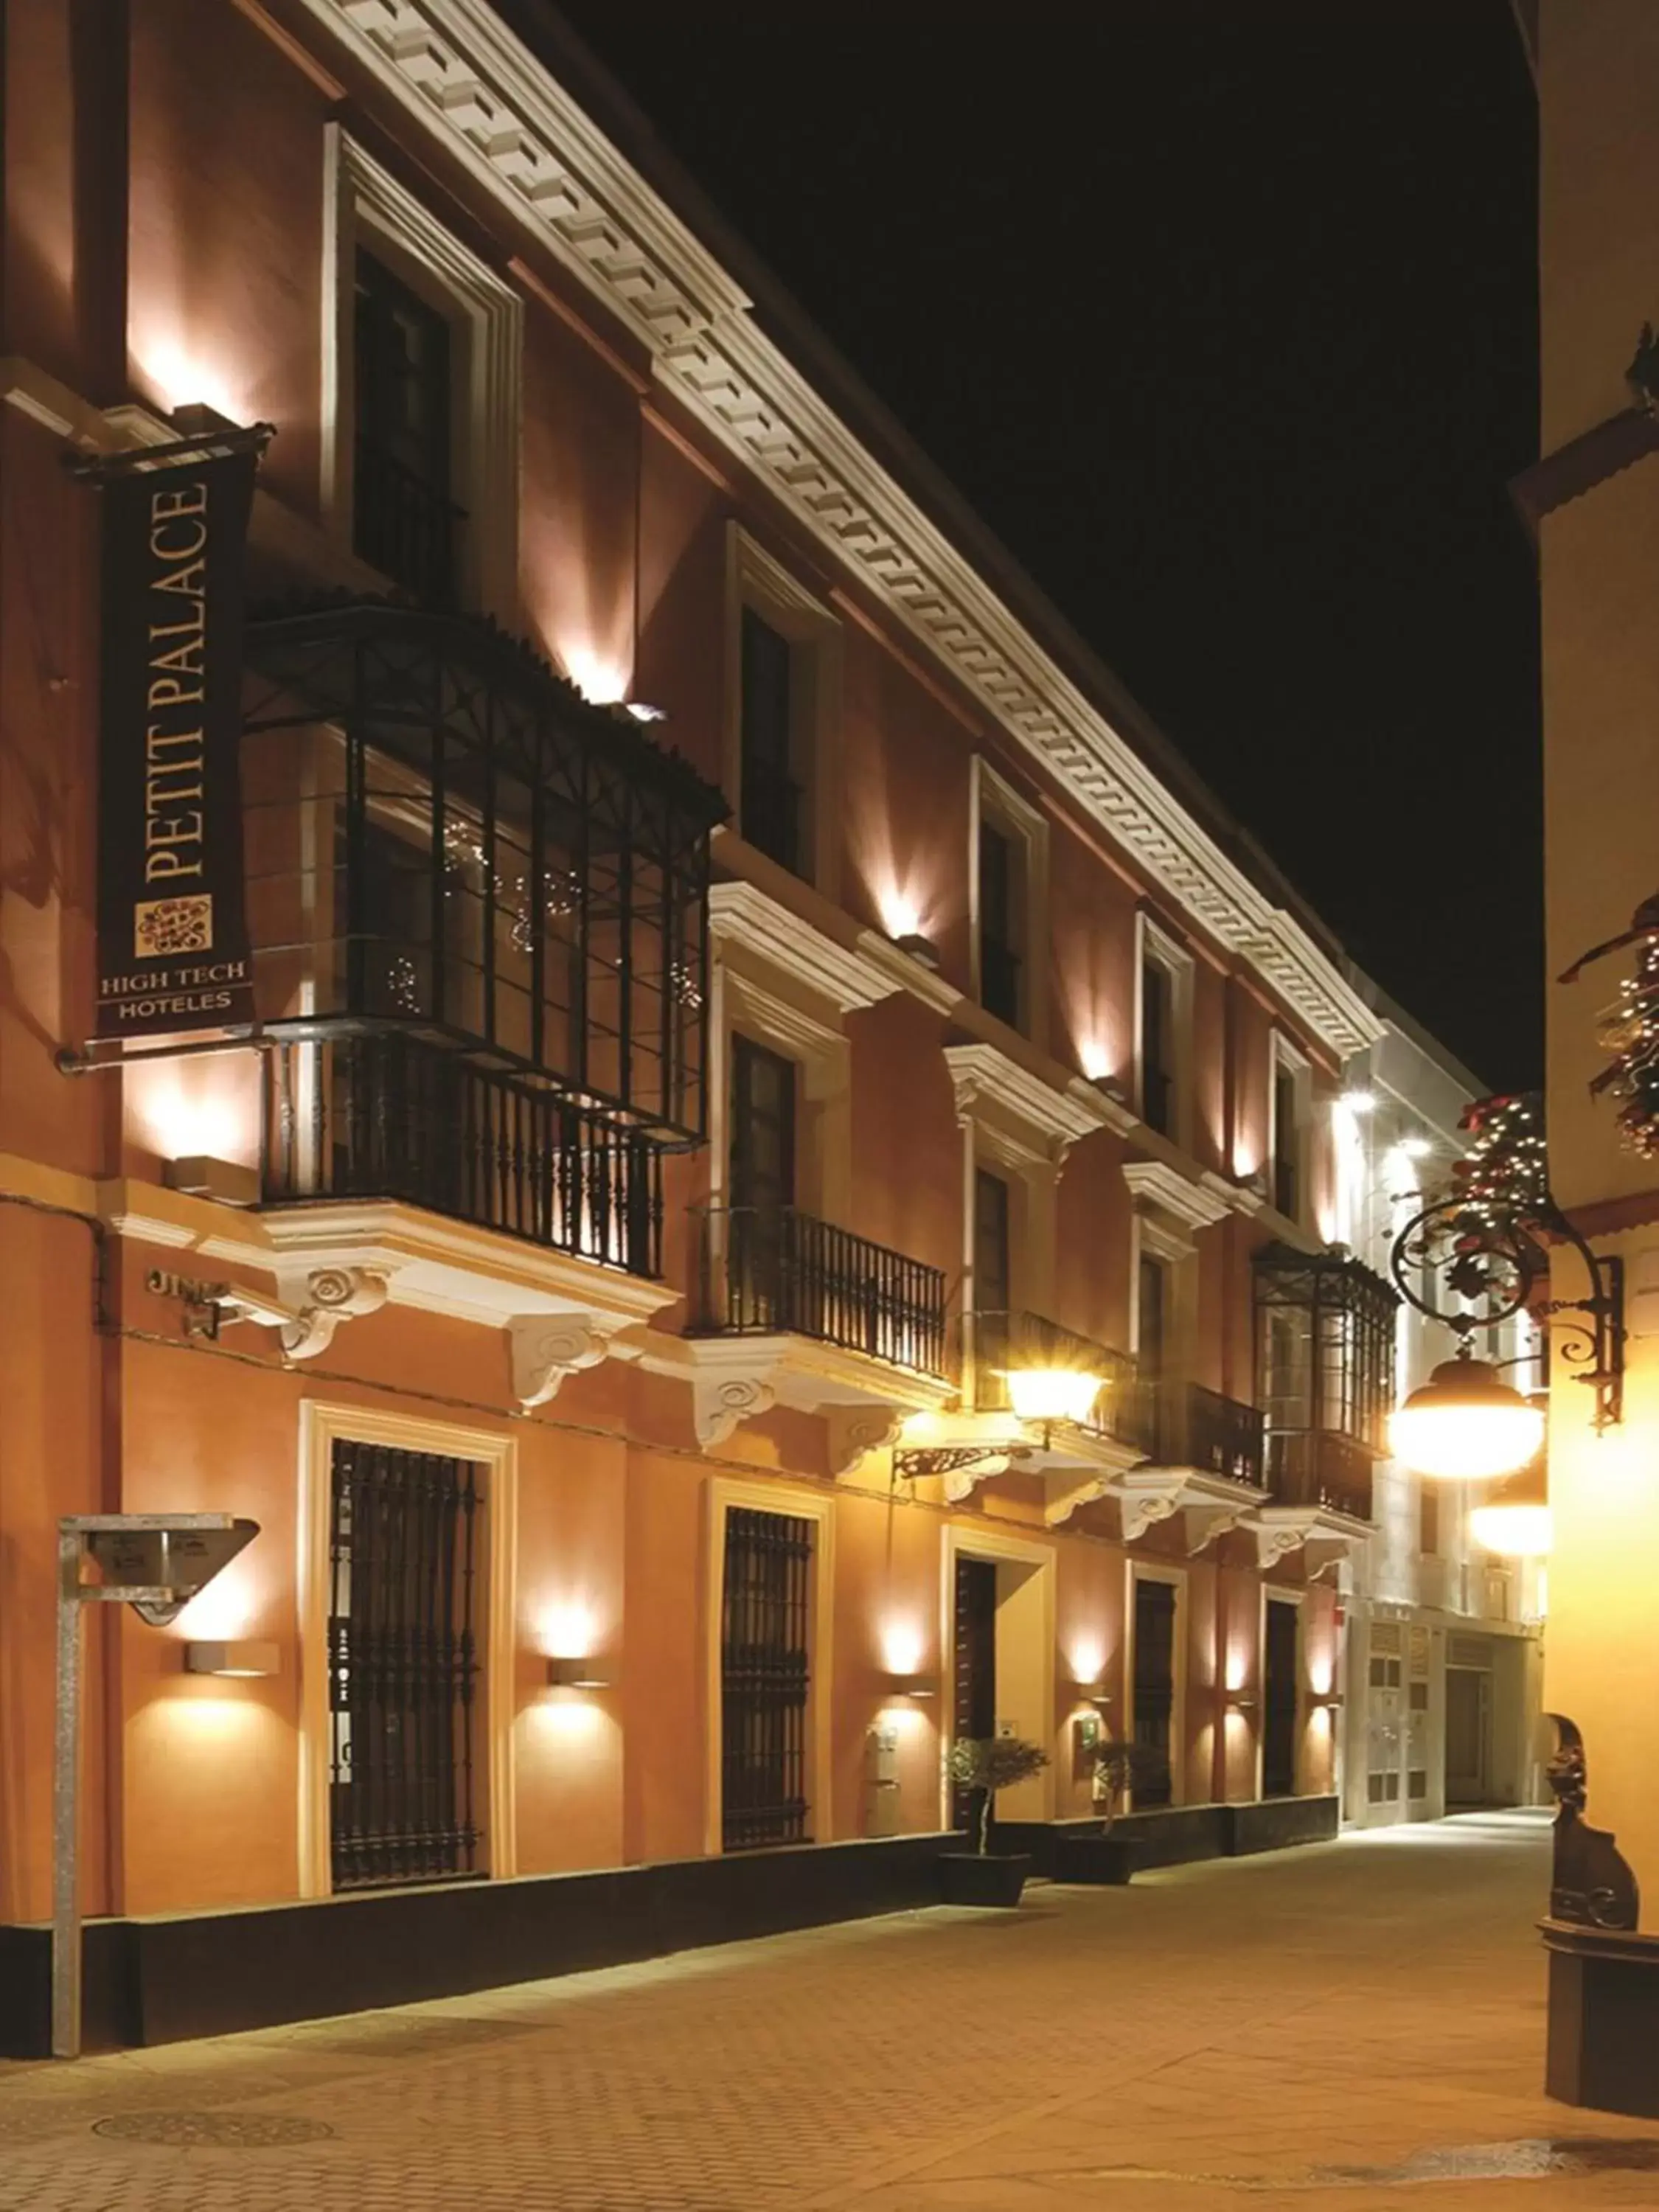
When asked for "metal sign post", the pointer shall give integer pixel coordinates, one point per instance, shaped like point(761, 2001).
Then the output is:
point(156, 1563)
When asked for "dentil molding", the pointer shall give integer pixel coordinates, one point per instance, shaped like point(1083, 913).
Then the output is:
point(479, 93)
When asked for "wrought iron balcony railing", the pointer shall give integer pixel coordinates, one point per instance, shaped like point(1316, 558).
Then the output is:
point(1192, 1426)
point(772, 1270)
point(404, 527)
point(378, 1114)
point(1320, 1467)
point(1121, 1411)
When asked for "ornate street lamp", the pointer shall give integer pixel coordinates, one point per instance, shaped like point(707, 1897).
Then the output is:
point(1485, 1243)
point(1040, 1394)
point(1465, 1423)
point(1513, 1519)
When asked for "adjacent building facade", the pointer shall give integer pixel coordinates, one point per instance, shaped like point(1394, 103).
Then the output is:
point(736, 990)
point(1443, 1637)
point(1592, 501)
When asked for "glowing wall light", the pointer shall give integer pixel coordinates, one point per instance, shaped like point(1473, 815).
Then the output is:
point(1051, 1393)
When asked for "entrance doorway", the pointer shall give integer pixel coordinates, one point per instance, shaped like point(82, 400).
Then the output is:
point(1279, 1697)
point(974, 1710)
point(1154, 1691)
point(1468, 1736)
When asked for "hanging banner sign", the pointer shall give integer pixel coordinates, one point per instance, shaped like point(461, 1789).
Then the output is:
point(172, 946)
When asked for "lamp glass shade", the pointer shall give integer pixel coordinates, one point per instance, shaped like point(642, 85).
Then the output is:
point(1466, 1425)
point(1051, 1393)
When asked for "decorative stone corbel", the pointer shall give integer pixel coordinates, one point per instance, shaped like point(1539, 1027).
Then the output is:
point(1139, 1512)
point(321, 1300)
point(1060, 1509)
point(1274, 1540)
point(1205, 1522)
point(547, 1348)
point(854, 1431)
point(961, 1482)
point(720, 1402)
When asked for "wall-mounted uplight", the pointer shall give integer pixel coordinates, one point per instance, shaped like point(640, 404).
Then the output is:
point(642, 712)
point(586, 1673)
point(242, 1661)
point(922, 950)
point(1359, 1101)
point(202, 1177)
point(1325, 1701)
point(911, 1685)
point(1092, 1693)
point(1242, 1701)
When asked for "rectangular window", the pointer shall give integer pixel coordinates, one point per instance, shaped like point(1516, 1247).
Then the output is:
point(763, 1270)
point(1417, 1784)
point(402, 1665)
point(1154, 1718)
point(765, 1678)
point(1152, 1317)
point(992, 1271)
point(1287, 1143)
point(1278, 1700)
point(1416, 1697)
point(1156, 1041)
point(1001, 899)
point(974, 1718)
point(769, 777)
point(404, 520)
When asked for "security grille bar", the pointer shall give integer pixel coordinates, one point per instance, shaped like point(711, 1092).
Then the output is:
point(402, 1669)
point(764, 1678)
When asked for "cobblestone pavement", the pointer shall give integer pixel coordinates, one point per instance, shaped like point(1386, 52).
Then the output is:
point(1358, 2024)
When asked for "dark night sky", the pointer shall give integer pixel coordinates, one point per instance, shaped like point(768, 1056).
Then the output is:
point(1222, 317)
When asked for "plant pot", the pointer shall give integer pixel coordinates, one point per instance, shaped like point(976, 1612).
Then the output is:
point(983, 1877)
point(1107, 1859)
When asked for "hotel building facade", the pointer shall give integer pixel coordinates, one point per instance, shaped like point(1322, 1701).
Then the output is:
point(730, 982)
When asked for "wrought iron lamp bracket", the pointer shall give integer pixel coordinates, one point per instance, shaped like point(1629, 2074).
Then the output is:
point(910, 1461)
point(1492, 1255)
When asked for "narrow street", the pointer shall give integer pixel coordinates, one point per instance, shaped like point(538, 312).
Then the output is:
point(1355, 2024)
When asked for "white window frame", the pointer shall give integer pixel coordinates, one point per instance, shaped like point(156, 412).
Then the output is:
point(725, 1492)
point(364, 205)
point(320, 1425)
point(755, 579)
point(991, 800)
point(1146, 1570)
point(1154, 946)
point(1288, 1059)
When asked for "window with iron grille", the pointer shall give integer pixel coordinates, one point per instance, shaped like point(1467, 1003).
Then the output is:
point(765, 1676)
point(402, 1665)
point(404, 521)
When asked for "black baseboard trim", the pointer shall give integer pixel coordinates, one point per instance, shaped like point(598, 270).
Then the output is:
point(163, 1980)
point(1180, 1835)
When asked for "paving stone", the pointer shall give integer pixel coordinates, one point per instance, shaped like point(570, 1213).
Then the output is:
point(1289, 2029)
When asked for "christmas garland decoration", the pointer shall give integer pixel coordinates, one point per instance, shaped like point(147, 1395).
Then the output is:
point(1629, 1030)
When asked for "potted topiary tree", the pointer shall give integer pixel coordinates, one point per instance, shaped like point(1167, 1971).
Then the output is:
point(1104, 1858)
point(987, 1765)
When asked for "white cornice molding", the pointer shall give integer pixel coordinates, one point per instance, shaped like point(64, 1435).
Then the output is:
point(981, 1076)
point(1155, 1182)
point(480, 93)
point(741, 915)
